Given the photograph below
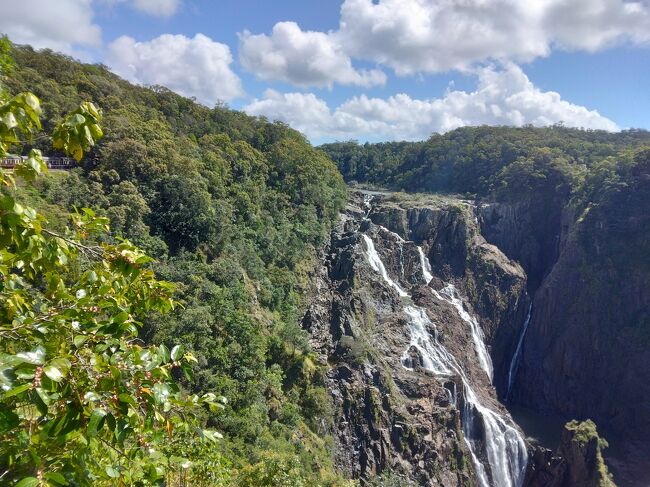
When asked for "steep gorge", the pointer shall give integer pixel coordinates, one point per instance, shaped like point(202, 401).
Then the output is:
point(572, 208)
point(410, 301)
point(585, 352)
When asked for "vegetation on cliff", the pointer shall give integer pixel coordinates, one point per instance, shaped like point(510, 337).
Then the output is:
point(601, 177)
point(484, 161)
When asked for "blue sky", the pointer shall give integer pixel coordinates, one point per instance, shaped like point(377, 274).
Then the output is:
point(369, 69)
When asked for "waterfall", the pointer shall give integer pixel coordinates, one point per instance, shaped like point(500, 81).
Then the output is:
point(514, 363)
point(504, 447)
point(378, 266)
point(433, 357)
point(367, 202)
point(426, 266)
point(396, 236)
point(450, 294)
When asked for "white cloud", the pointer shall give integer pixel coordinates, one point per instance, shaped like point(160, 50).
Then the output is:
point(304, 58)
point(438, 35)
point(503, 96)
point(413, 36)
point(594, 24)
point(61, 25)
point(197, 66)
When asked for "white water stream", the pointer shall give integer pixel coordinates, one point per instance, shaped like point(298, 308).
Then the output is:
point(504, 447)
point(378, 266)
point(514, 363)
point(450, 294)
point(426, 266)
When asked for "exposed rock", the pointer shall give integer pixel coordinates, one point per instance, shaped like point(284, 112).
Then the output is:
point(578, 461)
point(388, 417)
point(528, 232)
point(587, 349)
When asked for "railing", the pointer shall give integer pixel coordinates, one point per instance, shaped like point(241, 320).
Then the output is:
point(51, 162)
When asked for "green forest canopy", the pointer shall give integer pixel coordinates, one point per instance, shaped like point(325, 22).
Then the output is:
point(233, 208)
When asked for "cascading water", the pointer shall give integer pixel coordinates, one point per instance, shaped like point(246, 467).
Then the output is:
point(450, 294)
point(426, 266)
point(433, 358)
point(514, 363)
point(378, 266)
point(504, 447)
point(367, 202)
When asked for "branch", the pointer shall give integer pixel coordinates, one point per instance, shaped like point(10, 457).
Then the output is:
point(95, 251)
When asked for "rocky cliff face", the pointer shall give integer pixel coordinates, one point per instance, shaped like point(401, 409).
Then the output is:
point(419, 406)
point(530, 233)
point(586, 352)
point(418, 317)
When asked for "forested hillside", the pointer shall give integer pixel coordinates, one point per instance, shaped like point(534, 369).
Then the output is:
point(232, 208)
point(482, 160)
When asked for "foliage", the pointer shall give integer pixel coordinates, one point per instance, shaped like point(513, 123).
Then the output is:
point(584, 433)
point(79, 131)
point(233, 208)
point(83, 401)
point(480, 160)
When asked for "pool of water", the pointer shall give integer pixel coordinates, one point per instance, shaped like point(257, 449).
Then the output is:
point(546, 429)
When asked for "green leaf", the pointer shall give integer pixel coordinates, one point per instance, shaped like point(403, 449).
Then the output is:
point(9, 120)
point(209, 435)
point(36, 356)
point(28, 482)
point(96, 422)
point(56, 478)
point(127, 399)
point(8, 420)
point(111, 472)
point(17, 390)
point(32, 101)
point(177, 352)
point(164, 353)
point(76, 119)
point(91, 396)
point(57, 369)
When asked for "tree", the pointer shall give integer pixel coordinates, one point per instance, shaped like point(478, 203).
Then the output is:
point(82, 401)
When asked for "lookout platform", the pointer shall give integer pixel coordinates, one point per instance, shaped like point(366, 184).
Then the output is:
point(10, 162)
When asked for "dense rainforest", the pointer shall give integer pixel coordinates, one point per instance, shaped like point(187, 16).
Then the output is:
point(232, 208)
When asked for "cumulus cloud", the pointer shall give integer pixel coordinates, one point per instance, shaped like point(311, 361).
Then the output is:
point(64, 25)
point(413, 36)
point(503, 96)
point(198, 66)
point(304, 58)
point(439, 35)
